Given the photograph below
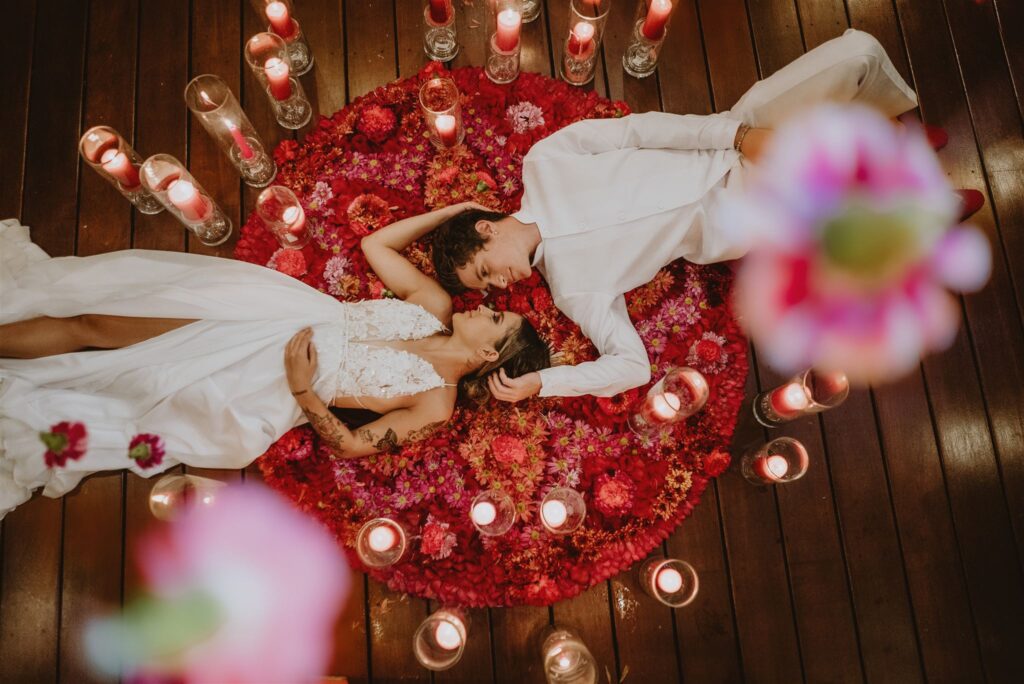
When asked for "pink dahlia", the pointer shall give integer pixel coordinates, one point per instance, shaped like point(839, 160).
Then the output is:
point(377, 123)
point(508, 449)
point(65, 441)
point(367, 213)
point(147, 450)
point(524, 117)
point(613, 494)
point(852, 224)
point(437, 541)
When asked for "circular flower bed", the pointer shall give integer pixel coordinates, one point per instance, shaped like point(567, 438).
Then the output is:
point(370, 164)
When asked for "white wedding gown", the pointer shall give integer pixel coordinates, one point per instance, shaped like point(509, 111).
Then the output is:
point(214, 390)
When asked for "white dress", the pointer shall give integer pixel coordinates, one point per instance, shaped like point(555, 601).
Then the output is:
point(214, 390)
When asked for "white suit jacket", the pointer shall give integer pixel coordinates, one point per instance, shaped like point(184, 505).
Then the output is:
point(615, 200)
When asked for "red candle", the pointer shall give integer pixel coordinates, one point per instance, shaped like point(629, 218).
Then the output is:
point(439, 11)
point(120, 167)
point(277, 76)
point(657, 17)
point(789, 401)
point(510, 22)
point(192, 205)
point(771, 468)
point(447, 130)
point(296, 220)
point(581, 39)
point(243, 145)
point(280, 21)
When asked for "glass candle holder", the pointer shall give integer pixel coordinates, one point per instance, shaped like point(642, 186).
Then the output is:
point(503, 48)
point(530, 10)
point(562, 510)
point(440, 40)
point(172, 495)
point(282, 22)
point(283, 215)
point(183, 196)
point(492, 513)
point(218, 111)
point(442, 113)
point(112, 157)
point(267, 56)
point(781, 460)
point(677, 396)
point(812, 391)
point(671, 581)
point(649, 30)
point(440, 639)
point(580, 49)
point(567, 660)
point(381, 542)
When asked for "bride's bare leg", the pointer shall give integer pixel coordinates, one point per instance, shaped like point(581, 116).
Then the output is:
point(45, 336)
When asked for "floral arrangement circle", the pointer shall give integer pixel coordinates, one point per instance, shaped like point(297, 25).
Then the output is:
point(371, 163)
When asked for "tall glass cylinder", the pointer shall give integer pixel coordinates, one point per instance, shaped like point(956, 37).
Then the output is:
point(267, 56)
point(442, 112)
point(779, 461)
point(677, 396)
point(503, 48)
point(812, 391)
point(172, 495)
point(282, 22)
point(283, 215)
point(185, 198)
point(213, 103)
point(587, 19)
point(531, 10)
point(649, 30)
point(440, 639)
point(440, 40)
point(567, 660)
point(112, 157)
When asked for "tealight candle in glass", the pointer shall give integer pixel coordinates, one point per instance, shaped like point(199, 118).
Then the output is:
point(213, 103)
point(112, 157)
point(530, 10)
point(380, 542)
point(172, 495)
point(812, 391)
point(282, 22)
point(440, 639)
point(669, 580)
point(492, 512)
point(562, 510)
point(567, 660)
point(267, 56)
point(649, 29)
point(442, 113)
point(440, 40)
point(677, 396)
point(580, 49)
point(283, 215)
point(504, 46)
point(185, 198)
point(781, 460)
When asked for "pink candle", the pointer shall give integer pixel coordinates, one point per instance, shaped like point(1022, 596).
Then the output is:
point(657, 17)
point(192, 205)
point(581, 39)
point(439, 11)
point(446, 130)
point(277, 76)
point(669, 580)
point(789, 400)
point(243, 145)
point(665, 406)
point(280, 21)
point(296, 220)
point(447, 636)
point(555, 513)
point(484, 513)
point(382, 538)
point(772, 468)
point(510, 22)
point(120, 167)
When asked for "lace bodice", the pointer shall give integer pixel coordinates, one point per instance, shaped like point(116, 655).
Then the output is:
point(349, 364)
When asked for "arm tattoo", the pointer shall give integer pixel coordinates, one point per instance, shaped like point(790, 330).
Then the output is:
point(423, 432)
point(331, 430)
point(389, 442)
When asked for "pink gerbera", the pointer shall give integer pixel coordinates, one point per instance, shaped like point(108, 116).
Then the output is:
point(147, 450)
point(65, 441)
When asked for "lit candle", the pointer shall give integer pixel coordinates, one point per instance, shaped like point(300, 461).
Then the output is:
point(510, 22)
point(439, 11)
point(207, 100)
point(581, 39)
point(243, 145)
point(789, 400)
point(447, 636)
point(484, 513)
point(382, 538)
point(665, 406)
point(657, 17)
point(192, 205)
point(772, 468)
point(296, 220)
point(277, 13)
point(120, 167)
point(555, 513)
point(669, 580)
point(564, 662)
point(446, 130)
point(277, 76)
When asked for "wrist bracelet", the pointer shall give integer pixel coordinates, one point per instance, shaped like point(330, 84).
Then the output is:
point(296, 394)
point(744, 129)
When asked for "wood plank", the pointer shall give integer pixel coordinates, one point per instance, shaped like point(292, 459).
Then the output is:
point(370, 43)
point(409, 36)
point(475, 666)
point(393, 621)
point(517, 634)
point(641, 94)
point(683, 69)
point(14, 80)
point(589, 616)
point(821, 20)
point(323, 24)
point(1010, 15)
point(644, 631)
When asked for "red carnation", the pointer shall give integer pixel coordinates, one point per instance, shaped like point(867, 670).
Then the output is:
point(541, 298)
point(290, 262)
point(613, 494)
point(377, 123)
point(708, 350)
point(716, 463)
point(65, 441)
point(508, 449)
point(286, 151)
point(146, 449)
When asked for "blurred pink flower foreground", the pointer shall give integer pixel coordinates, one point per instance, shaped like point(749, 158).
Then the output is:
point(854, 241)
point(246, 590)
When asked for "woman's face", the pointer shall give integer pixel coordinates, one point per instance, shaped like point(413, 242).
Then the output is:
point(485, 327)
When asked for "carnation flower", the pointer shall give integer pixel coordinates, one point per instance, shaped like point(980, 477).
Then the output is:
point(708, 354)
point(147, 450)
point(508, 449)
point(437, 541)
point(524, 117)
point(367, 213)
point(716, 463)
point(613, 494)
point(377, 123)
point(288, 261)
point(65, 441)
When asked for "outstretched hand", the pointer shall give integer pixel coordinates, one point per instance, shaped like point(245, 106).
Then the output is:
point(513, 389)
point(300, 361)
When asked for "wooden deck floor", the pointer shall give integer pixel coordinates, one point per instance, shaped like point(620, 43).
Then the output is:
point(898, 558)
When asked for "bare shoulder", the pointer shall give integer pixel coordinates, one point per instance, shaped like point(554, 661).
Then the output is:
point(438, 403)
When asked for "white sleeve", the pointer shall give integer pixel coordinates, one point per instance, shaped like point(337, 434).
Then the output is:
point(623, 363)
point(651, 130)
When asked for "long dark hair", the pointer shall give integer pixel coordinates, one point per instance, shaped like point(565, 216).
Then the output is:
point(520, 352)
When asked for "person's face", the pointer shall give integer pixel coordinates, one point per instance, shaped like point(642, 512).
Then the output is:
point(484, 328)
point(502, 261)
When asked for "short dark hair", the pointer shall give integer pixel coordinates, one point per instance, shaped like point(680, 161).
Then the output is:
point(455, 242)
point(520, 352)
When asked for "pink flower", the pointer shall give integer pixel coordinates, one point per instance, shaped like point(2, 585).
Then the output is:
point(65, 441)
point(708, 354)
point(146, 449)
point(613, 494)
point(377, 123)
point(437, 541)
point(289, 261)
point(524, 116)
point(508, 449)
